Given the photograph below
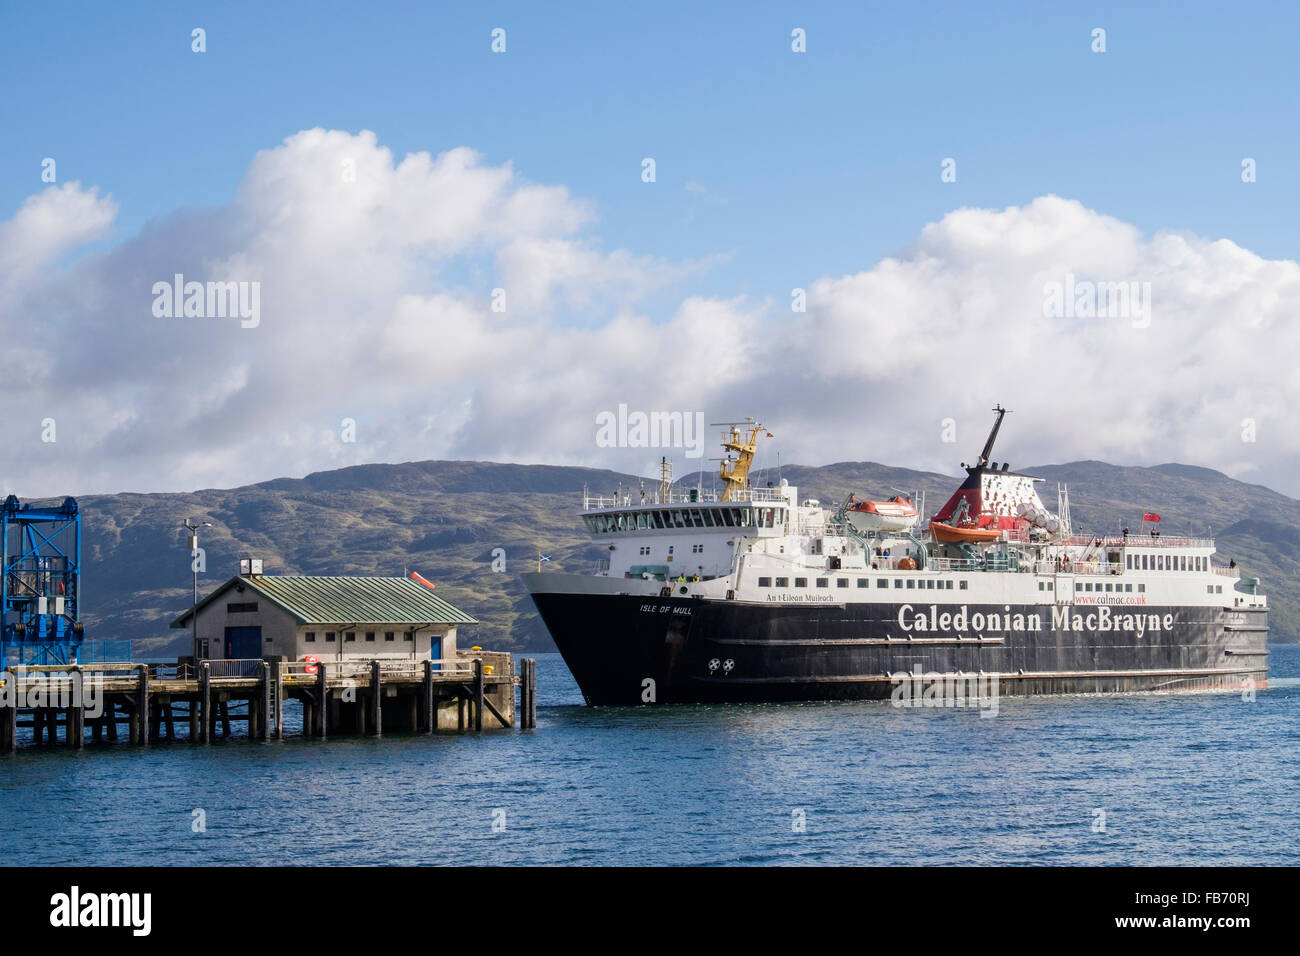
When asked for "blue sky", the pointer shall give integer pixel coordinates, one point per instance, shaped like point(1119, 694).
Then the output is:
point(775, 170)
point(811, 164)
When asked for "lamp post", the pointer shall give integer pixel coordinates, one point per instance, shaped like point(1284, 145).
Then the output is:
point(193, 529)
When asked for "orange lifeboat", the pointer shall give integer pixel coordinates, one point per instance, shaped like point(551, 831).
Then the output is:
point(955, 535)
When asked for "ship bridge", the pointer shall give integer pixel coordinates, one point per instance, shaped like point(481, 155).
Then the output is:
point(692, 533)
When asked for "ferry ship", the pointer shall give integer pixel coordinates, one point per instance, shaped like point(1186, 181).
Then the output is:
point(752, 595)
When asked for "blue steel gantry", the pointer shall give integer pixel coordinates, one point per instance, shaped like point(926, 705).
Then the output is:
point(40, 583)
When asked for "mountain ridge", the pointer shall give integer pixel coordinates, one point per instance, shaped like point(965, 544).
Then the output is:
point(453, 521)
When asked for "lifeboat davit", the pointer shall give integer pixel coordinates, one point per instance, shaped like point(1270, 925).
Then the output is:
point(896, 514)
point(950, 534)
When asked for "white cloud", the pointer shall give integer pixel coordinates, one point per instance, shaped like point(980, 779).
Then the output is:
point(376, 278)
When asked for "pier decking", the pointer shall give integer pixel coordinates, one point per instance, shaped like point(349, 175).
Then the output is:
point(199, 700)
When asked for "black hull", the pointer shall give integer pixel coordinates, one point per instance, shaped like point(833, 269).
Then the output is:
point(632, 650)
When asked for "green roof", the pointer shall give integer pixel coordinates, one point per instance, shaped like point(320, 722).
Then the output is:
point(343, 600)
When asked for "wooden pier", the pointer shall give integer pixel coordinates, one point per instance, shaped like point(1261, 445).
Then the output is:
point(200, 700)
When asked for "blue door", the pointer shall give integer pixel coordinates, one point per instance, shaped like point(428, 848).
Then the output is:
point(243, 643)
point(435, 651)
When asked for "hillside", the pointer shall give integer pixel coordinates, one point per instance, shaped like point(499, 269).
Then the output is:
point(445, 519)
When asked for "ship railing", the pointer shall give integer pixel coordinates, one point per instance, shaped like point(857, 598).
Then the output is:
point(1138, 541)
point(1226, 572)
point(688, 497)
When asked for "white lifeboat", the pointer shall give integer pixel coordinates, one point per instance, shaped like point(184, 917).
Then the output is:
point(896, 514)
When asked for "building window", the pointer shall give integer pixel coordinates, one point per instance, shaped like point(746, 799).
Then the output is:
point(370, 635)
point(823, 583)
point(390, 635)
point(310, 637)
point(329, 636)
point(241, 607)
point(350, 636)
point(408, 635)
point(764, 582)
point(801, 582)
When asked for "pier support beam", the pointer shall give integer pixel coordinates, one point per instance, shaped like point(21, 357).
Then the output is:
point(428, 709)
point(376, 700)
point(527, 694)
point(205, 703)
point(478, 693)
point(142, 707)
point(265, 689)
point(322, 706)
point(9, 714)
point(277, 688)
point(77, 715)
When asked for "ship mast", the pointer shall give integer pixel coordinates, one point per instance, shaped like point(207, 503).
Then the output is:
point(735, 472)
point(993, 436)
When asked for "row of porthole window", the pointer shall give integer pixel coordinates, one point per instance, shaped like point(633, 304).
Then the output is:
point(1089, 586)
point(310, 636)
point(1166, 562)
point(927, 583)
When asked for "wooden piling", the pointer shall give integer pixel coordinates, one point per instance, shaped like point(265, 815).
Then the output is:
point(9, 715)
point(205, 703)
point(277, 688)
point(322, 702)
point(142, 707)
point(427, 705)
point(77, 715)
point(528, 694)
point(223, 712)
point(478, 693)
point(110, 718)
point(376, 699)
point(264, 704)
point(193, 719)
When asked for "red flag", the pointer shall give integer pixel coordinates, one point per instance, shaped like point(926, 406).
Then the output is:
point(1150, 516)
point(770, 435)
